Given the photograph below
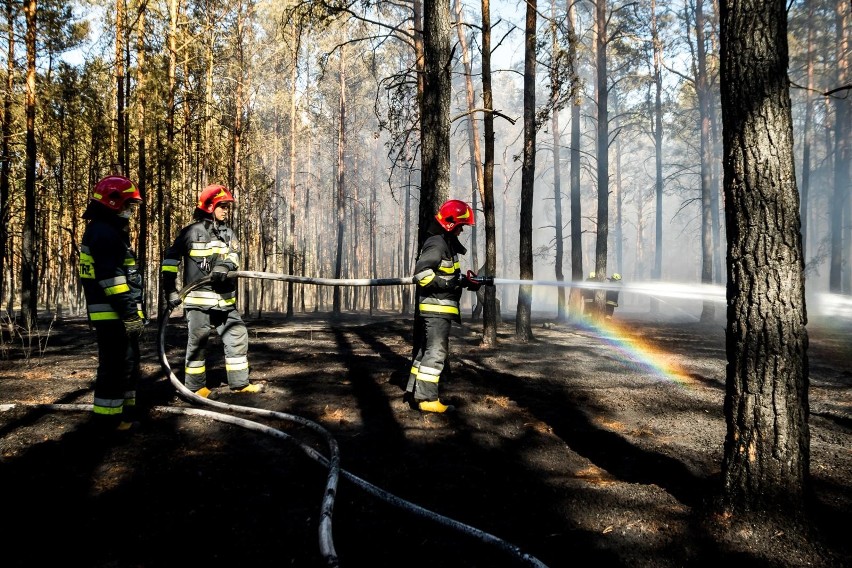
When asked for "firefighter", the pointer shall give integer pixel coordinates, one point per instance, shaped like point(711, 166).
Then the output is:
point(439, 282)
point(112, 283)
point(589, 297)
point(612, 296)
point(207, 247)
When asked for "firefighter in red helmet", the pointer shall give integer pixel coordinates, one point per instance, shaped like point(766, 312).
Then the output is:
point(208, 247)
point(112, 283)
point(440, 283)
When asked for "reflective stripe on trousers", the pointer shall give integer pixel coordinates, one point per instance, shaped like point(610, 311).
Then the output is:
point(230, 327)
point(118, 370)
point(431, 349)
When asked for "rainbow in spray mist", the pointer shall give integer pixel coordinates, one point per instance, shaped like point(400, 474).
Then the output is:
point(634, 351)
point(638, 353)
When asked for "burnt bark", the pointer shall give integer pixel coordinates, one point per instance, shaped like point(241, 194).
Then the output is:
point(435, 112)
point(766, 456)
point(489, 330)
point(523, 323)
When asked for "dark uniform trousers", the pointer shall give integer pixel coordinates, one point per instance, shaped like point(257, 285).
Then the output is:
point(231, 328)
point(118, 371)
point(431, 349)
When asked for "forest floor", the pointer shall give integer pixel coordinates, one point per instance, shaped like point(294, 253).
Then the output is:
point(592, 445)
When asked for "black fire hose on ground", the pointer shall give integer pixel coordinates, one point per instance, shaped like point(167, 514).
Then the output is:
point(333, 462)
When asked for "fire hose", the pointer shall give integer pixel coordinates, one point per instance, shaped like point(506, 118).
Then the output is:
point(332, 462)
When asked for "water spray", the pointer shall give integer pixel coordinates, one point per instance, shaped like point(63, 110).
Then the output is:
point(833, 305)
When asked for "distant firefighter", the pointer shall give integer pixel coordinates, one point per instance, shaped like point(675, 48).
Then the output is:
point(612, 295)
point(589, 296)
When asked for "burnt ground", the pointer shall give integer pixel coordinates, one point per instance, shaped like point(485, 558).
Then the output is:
point(583, 446)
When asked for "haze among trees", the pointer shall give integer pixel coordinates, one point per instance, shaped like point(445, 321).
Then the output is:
point(341, 126)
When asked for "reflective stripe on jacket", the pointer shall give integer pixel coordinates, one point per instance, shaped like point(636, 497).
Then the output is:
point(437, 276)
point(108, 272)
point(199, 247)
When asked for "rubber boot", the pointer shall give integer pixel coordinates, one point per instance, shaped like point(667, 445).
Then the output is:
point(250, 389)
point(204, 392)
point(435, 406)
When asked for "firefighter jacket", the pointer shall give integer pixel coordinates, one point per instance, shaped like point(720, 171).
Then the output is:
point(437, 274)
point(612, 295)
point(108, 272)
point(201, 246)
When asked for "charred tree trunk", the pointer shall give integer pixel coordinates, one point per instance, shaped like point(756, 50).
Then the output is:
point(575, 297)
point(477, 191)
point(341, 183)
point(842, 159)
point(561, 308)
point(435, 113)
point(766, 458)
point(708, 311)
point(523, 319)
point(806, 133)
point(657, 272)
point(291, 232)
point(602, 232)
point(489, 314)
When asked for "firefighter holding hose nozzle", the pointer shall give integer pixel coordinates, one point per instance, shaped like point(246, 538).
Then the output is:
point(440, 282)
point(208, 247)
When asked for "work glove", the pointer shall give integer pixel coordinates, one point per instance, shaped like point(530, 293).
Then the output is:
point(470, 281)
point(219, 273)
point(173, 300)
point(133, 326)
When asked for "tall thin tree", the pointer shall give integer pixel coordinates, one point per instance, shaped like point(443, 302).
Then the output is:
point(5, 152)
point(29, 238)
point(523, 318)
point(341, 180)
point(657, 131)
point(120, 166)
point(602, 92)
point(555, 87)
point(842, 155)
point(702, 88)
point(142, 172)
point(489, 312)
point(575, 298)
point(291, 231)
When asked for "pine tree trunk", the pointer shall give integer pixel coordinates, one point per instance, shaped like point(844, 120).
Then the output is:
point(29, 240)
point(523, 323)
point(766, 457)
point(435, 113)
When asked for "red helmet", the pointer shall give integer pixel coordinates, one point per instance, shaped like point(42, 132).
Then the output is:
point(454, 212)
point(212, 196)
point(114, 191)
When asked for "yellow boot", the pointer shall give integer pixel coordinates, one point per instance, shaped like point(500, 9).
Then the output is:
point(204, 392)
point(127, 427)
point(435, 406)
point(250, 388)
